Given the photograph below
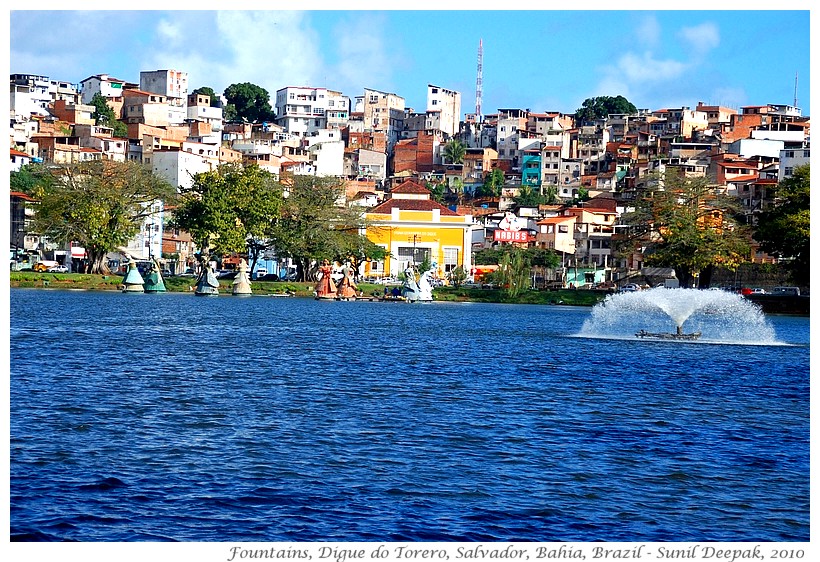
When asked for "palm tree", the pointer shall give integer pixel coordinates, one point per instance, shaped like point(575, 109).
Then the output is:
point(454, 151)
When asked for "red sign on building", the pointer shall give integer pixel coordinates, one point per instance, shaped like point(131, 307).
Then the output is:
point(511, 236)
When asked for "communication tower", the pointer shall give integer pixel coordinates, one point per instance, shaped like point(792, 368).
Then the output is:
point(478, 81)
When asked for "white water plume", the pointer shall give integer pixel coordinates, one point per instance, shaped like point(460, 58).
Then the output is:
point(720, 316)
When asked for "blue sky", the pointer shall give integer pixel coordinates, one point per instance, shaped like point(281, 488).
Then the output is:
point(542, 60)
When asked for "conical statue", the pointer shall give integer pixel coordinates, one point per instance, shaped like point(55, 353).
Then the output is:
point(347, 286)
point(207, 285)
point(153, 280)
point(325, 288)
point(133, 282)
point(241, 283)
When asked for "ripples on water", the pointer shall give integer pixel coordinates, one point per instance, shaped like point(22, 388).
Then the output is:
point(170, 417)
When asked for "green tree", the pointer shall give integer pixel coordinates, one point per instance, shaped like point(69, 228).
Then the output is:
point(529, 197)
point(602, 106)
point(457, 276)
point(686, 224)
point(493, 182)
point(208, 91)
point(454, 152)
point(437, 191)
point(551, 195)
point(104, 116)
point(312, 226)
point(457, 187)
point(100, 205)
point(248, 102)
point(227, 208)
point(783, 229)
point(515, 265)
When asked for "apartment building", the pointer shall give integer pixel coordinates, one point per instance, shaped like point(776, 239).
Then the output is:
point(105, 85)
point(173, 85)
point(302, 111)
point(382, 112)
point(200, 110)
point(791, 159)
point(510, 124)
point(447, 103)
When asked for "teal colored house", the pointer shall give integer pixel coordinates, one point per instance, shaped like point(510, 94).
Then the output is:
point(531, 169)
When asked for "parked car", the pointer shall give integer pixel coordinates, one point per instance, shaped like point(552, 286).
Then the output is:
point(58, 269)
point(45, 265)
point(630, 287)
point(758, 291)
point(787, 291)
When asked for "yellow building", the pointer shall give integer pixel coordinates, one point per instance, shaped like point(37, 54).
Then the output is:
point(411, 226)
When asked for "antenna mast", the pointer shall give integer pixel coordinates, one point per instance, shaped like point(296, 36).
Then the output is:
point(795, 89)
point(478, 81)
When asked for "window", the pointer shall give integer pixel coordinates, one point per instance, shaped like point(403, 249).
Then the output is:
point(435, 102)
point(413, 255)
point(450, 259)
point(562, 227)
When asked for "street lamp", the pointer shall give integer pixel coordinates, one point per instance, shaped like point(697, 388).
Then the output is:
point(415, 237)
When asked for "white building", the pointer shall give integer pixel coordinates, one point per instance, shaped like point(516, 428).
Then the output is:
point(791, 159)
point(305, 110)
point(104, 85)
point(178, 167)
point(29, 95)
point(200, 110)
point(448, 104)
point(173, 84)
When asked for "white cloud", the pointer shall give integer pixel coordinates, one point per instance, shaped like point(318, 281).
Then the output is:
point(362, 56)
point(701, 38)
point(169, 33)
point(271, 49)
point(648, 32)
point(645, 68)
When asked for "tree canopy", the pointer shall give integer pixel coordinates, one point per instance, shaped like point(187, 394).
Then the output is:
point(208, 91)
point(225, 208)
point(686, 224)
point(601, 106)
point(311, 227)
point(248, 102)
point(104, 115)
point(493, 182)
point(529, 197)
point(454, 151)
point(100, 205)
point(783, 230)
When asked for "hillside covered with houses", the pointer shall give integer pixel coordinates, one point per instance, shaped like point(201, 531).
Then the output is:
point(434, 183)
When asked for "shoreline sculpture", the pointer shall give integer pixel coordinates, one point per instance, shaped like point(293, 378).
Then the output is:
point(410, 289)
point(207, 285)
point(425, 287)
point(347, 286)
point(153, 279)
point(325, 288)
point(133, 281)
point(241, 283)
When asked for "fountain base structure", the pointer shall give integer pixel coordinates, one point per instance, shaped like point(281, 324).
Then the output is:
point(682, 315)
point(677, 335)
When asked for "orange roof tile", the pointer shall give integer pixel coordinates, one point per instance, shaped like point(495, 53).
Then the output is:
point(413, 205)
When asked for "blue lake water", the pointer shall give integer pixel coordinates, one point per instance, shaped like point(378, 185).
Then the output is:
point(172, 417)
